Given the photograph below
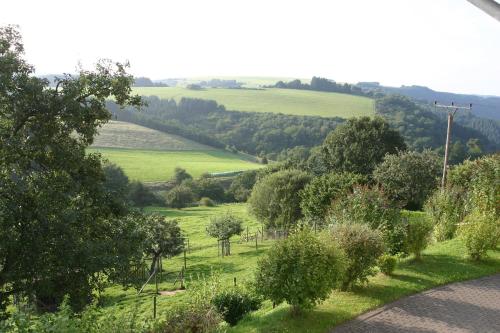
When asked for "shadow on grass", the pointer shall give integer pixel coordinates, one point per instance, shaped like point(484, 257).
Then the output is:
point(308, 320)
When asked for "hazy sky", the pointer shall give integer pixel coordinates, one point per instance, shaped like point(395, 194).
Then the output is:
point(448, 45)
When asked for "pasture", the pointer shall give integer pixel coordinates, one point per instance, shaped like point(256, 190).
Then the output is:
point(286, 101)
point(153, 166)
point(442, 263)
point(119, 134)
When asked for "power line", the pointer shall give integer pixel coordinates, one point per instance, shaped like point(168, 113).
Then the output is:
point(452, 110)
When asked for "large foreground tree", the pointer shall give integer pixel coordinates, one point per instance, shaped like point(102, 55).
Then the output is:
point(60, 229)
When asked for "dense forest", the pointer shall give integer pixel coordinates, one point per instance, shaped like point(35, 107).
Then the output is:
point(205, 121)
point(423, 128)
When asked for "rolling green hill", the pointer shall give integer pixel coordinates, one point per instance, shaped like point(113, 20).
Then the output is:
point(150, 156)
point(119, 134)
point(286, 101)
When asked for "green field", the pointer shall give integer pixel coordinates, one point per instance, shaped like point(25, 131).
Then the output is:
point(286, 101)
point(442, 263)
point(152, 166)
point(119, 134)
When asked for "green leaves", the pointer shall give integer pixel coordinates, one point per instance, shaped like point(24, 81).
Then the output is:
point(60, 228)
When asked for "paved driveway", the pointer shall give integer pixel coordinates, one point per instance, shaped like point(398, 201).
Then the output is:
point(471, 306)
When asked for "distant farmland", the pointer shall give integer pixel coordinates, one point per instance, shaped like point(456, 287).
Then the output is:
point(152, 166)
point(286, 101)
point(150, 156)
point(119, 134)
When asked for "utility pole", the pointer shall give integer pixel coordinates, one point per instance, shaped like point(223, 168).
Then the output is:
point(452, 109)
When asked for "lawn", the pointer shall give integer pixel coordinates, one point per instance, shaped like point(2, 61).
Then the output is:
point(286, 101)
point(151, 166)
point(442, 263)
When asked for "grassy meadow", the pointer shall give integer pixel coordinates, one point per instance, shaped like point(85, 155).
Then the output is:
point(286, 101)
point(153, 166)
point(442, 263)
point(120, 134)
point(149, 155)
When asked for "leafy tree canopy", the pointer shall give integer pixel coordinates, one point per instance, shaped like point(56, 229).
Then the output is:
point(409, 177)
point(59, 228)
point(360, 144)
point(275, 198)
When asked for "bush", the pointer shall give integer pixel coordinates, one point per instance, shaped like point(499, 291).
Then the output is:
point(179, 197)
point(207, 202)
point(480, 233)
point(234, 303)
point(209, 187)
point(362, 247)
point(446, 209)
point(387, 263)
point(480, 179)
point(242, 185)
point(180, 175)
point(274, 199)
point(409, 177)
point(419, 235)
point(318, 195)
point(371, 207)
point(141, 196)
point(198, 315)
point(90, 320)
point(301, 270)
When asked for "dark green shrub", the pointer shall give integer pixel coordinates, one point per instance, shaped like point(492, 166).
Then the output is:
point(387, 263)
point(360, 144)
point(207, 202)
point(446, 209)
point(480, 233)
point(362, 247)
point(234, 303)
point(274, 199)
point(419, 235)
point(209, 187)
point(179, 197)
point(371, 207)
point(409, 177)
point(301, 270)
point(141, 196)
point(318, 195)
point(242, 185)
point(180, 175)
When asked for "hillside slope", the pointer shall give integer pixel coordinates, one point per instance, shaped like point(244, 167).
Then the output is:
point(286, 101)
point(151, 156)
point(119, 134)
